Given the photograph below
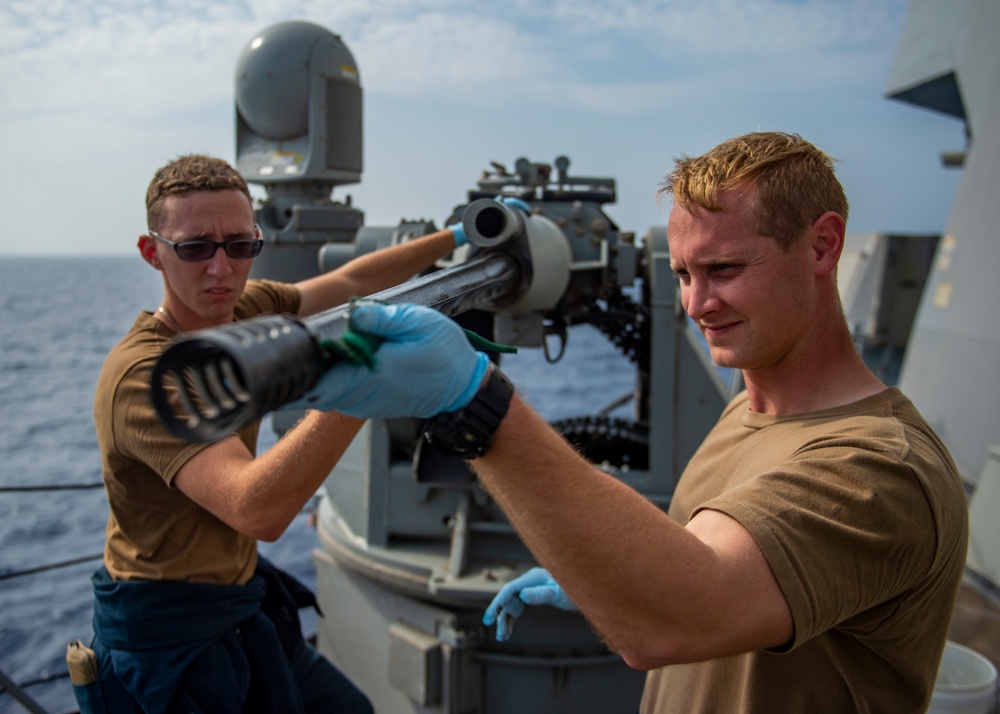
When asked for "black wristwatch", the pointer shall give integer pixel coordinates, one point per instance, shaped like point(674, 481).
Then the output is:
point(467, 432)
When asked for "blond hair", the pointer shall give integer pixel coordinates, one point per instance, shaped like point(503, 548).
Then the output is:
point(794, 181)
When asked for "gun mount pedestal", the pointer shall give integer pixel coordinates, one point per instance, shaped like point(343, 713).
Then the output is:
point(403, 614)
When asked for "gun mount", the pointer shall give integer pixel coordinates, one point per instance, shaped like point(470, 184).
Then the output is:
point(413, 548)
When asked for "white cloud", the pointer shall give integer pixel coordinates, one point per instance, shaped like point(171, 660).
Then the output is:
point(108, 57)
point(98, 93)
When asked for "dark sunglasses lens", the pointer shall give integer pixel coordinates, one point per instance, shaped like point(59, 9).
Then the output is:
point(195, 250)
point(243, 249)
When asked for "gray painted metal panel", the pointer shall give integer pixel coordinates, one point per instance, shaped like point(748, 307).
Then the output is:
point(922, 68)
point(952, 365)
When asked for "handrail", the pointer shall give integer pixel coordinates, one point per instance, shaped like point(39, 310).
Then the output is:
point(51, 487)
point(9, 686)
point(51, 566)
point(20, 696)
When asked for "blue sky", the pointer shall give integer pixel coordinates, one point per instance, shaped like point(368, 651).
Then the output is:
point(97, 95)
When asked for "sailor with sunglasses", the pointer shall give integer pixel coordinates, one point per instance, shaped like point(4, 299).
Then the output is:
point(187, 616)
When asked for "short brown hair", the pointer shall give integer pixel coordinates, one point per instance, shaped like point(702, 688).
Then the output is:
point(187, 174)
point(795, 182)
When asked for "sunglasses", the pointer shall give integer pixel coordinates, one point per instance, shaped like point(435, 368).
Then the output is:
point(195, 251)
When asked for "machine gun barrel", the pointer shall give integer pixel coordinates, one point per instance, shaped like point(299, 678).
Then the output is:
point(213, 382)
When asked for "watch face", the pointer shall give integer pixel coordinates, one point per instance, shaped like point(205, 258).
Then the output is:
point(454, 434)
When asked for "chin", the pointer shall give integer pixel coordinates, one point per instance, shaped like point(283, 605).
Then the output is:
point(219, 313)
point(724, 358)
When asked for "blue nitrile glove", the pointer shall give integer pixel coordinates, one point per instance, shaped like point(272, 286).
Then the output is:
point(513, 203)
point(535, 587)
point(458, 230)
point(424, 367)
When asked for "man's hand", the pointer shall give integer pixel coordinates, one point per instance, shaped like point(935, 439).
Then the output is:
point(458, 230)
point(424, 367)
point(513, 203)
point(535, 587)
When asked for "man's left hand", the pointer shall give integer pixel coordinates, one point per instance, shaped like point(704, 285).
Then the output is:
point(424, 367)
point(535, 587)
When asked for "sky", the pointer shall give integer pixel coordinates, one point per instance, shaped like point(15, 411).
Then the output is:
point(96, 95)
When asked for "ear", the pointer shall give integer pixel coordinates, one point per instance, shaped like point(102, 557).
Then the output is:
point(827, 242)
point(149, 252)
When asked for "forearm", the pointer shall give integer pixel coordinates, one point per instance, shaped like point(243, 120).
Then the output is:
point(642, 580)
point(288, 474)
point(373, 272)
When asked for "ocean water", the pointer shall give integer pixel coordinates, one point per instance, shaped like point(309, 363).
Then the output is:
point(58, 319)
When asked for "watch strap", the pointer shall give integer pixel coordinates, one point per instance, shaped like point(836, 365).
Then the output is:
point(467, 432)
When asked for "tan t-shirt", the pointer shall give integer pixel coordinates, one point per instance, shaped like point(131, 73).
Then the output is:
point(154, 531)
point(862, 516)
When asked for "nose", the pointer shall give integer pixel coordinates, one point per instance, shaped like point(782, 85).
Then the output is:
point(219, 264)
point(698, 298)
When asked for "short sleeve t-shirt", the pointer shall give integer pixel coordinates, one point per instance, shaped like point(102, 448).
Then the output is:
point(861, 514)
point(154, 531)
